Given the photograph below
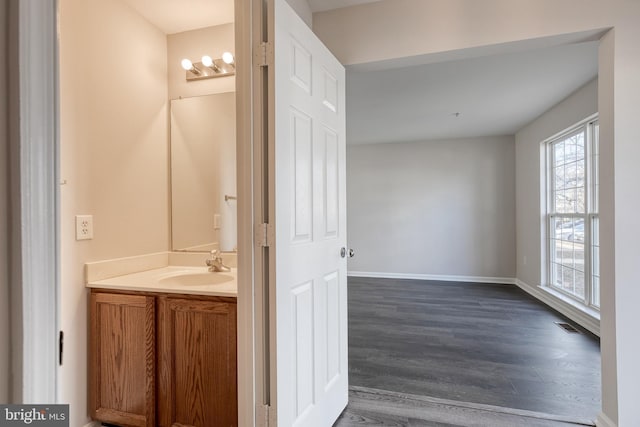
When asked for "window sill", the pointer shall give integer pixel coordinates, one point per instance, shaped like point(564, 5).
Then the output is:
point(594, 314)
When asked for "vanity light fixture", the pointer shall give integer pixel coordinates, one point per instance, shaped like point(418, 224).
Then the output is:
point(208, 68)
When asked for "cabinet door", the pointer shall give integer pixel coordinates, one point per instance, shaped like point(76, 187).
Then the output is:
point(123, 359)
point(197, 363)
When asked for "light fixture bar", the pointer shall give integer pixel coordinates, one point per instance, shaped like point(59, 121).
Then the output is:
point(218, 68)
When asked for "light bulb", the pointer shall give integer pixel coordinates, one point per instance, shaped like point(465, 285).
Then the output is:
point(227, 57)
point(186, 64)
point(207, 61)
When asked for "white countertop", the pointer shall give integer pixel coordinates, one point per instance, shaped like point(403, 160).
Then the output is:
point(174, 279)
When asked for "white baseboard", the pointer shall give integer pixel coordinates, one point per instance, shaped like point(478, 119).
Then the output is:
point(444, 278)
point(574, 313)
point(604, 421)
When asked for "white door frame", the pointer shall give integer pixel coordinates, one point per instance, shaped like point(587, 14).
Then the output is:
point(259, 41)
point(248, 359)
point(34, 240)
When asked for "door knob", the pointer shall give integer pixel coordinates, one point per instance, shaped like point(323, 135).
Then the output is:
point(343, 253)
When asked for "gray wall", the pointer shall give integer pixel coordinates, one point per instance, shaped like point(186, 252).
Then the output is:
point(4, 240)
point(529, 215)
point(433, 208)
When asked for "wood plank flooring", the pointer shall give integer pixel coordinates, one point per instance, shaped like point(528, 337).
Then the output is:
point(480, 343)
point(382, 408)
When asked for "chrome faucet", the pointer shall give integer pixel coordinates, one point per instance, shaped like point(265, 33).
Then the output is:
point(215, 262)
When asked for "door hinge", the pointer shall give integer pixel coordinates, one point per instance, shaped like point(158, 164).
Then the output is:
point(263, 415)
point(263, 54)
point(264, 235)
point(60, 346)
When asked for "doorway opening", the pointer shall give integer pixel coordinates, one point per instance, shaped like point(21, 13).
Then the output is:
point(446, 181)
point(123, 82)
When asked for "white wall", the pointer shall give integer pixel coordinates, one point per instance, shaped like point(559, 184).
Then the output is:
point(212, 41)
point(433, 208)
point(114, 157)
point(529, 212)
point(4, 220)
point(390, 30)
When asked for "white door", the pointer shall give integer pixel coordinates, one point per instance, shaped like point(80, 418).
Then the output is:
point(310, 223)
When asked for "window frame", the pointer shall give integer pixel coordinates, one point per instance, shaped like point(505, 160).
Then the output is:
point(590, 216)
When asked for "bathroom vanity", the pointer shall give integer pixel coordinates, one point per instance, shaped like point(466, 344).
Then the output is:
point(163, 348)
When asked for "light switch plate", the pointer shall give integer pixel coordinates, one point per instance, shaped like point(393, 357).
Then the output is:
point(84, 227)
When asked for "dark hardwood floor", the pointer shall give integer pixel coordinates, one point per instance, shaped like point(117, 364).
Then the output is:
point(385, 408)
point(481, 343)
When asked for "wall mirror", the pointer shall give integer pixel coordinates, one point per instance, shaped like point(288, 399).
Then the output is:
point(203, 173)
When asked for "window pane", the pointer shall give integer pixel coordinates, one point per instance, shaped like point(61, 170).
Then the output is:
point(595, 261)
point(567, 279)
point(596, 291)
point(577, 232)
point(578, 256)
point(558, 154)
point(579, 284)
point(580, 151)
point(580, 173)
point(560, 203)
point(579, 138)
point(568, 254)
point(558, 279)
point(559, 178)
point(571, 197)
point(571, 151)
point(580, 200)
point(572, 175)
point(595, 179)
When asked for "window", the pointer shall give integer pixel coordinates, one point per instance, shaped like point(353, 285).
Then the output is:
point(572, 213)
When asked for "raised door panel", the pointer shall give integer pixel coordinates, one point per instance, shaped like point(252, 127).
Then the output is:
point(197, 363)
point(123, 359)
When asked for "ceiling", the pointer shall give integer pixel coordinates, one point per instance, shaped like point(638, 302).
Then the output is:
point(494, 95)
point(176, 16)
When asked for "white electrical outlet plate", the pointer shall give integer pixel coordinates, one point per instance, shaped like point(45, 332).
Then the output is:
point(84, 227)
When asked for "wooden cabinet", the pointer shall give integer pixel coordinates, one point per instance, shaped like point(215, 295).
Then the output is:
point(163, 360)
point(197, 363)
point(123, 354)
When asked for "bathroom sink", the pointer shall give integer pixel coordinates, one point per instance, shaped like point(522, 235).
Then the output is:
point(195, 279)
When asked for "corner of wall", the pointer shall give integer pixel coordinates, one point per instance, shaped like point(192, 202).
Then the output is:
point(566, 309)
point(5, 332)
point(302, 8)
point(604, 421)
point(577, 106)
